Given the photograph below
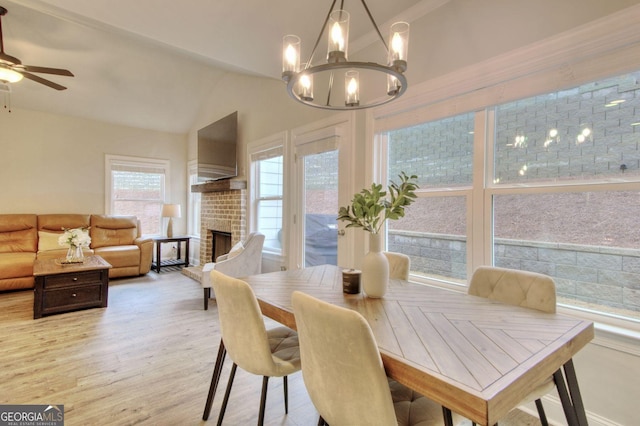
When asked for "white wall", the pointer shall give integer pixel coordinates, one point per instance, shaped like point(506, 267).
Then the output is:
point(55, 164)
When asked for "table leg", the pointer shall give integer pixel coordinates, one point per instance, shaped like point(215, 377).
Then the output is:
point(574, 390)
point(158, 255)
point(186, 254)
point(217, 369)
point(570, 395)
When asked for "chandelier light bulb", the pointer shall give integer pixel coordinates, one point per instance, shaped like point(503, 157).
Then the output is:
point(396, 45)
point(306, 87)
point(352, 92)
point(553, 133)
point(290, 54)
point(337, 38)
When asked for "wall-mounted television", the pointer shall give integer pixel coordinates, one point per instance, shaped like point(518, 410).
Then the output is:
point(217, 149)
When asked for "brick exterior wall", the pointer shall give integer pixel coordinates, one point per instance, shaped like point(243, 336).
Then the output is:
point(606, 276)
point(224, 211)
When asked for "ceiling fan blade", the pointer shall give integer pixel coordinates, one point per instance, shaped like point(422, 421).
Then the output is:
point(46, 70)
point(42, 81)
point(8, 58)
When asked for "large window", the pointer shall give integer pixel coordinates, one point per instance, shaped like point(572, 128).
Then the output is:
point(433, 231)
point(556, 191)
point(267, 176)
point(136, 186)
point(569, 163)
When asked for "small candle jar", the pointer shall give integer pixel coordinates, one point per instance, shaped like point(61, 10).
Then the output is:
point(351, 281)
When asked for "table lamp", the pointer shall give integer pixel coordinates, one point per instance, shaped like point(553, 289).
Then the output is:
point(170, 211)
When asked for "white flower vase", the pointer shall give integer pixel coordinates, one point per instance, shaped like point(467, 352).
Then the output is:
point(375, 268)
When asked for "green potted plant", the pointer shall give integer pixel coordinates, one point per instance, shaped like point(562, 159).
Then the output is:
point(369, 210)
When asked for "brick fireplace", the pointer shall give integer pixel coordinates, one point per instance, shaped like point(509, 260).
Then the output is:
point(223, 211)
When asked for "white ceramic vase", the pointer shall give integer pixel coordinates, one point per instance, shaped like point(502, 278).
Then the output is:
point(375, 268)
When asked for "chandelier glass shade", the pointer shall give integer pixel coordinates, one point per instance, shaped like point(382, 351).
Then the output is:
point(339, 83)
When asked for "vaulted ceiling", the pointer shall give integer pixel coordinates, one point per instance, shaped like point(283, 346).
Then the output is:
point(152, 63)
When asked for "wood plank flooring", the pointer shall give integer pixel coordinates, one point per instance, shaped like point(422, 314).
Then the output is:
point(146, 359)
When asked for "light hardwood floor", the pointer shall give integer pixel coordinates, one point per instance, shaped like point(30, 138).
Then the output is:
point(146, 359)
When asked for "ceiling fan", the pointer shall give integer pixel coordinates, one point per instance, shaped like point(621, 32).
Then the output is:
point(12, 70)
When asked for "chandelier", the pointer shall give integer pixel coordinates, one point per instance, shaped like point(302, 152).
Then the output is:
point(382, 83)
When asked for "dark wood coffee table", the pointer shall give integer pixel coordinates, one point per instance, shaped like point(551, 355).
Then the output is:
point(69, 287)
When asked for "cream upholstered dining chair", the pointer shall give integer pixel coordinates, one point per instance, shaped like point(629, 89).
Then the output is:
point(267, 353)
point(244, 259)
point(520, 288)
point(343, 372)
point(399, 265)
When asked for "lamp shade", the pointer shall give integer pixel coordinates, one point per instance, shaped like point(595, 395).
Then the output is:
point(171, 210)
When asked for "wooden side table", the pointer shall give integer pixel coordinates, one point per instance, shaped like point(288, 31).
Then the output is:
point(178, 261)
point(69, 287)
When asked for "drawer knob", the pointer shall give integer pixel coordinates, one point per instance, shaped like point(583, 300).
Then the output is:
point(75, 278)
point(73, 295)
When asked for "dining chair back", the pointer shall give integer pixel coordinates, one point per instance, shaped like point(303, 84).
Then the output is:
point(399, 265)
point(520, 288)
point(267, 353)
point(515, 287)
point(343, 371)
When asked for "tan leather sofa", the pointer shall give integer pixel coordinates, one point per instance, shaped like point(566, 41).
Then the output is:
point(25, 237)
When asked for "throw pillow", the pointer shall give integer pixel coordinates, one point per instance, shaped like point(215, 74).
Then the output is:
point(48, 241)
point(235, 250)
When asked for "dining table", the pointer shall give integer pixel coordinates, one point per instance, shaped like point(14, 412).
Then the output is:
point(475, 356)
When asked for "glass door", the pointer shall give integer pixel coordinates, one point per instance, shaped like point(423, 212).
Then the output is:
point(320, 208)
point(320, 157)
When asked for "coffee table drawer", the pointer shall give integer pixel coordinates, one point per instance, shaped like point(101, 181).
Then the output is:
point(66, 298)
point(72, 279)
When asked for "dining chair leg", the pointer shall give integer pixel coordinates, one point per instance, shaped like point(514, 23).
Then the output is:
point(286, 394)
point(217, 369)
point(227, 392)
point(207, 296)
point(263, 400)
point(541, 413)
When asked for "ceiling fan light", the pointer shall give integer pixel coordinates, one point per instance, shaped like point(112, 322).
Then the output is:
point(9, 76)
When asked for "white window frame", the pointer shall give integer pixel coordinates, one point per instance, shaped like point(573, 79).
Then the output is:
point(194, 200)
point(112, 161)
point(278, 141)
